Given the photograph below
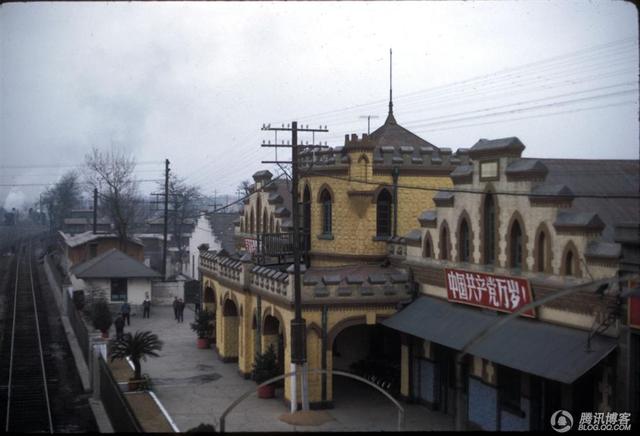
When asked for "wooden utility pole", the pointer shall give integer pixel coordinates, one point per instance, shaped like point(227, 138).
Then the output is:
point(166, 219)
point(298, 324)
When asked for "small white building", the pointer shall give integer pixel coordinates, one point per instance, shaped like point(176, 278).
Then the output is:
point(202, 234)
point(114, 275)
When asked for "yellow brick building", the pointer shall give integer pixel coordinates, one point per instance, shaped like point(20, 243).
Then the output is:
point(352, 208)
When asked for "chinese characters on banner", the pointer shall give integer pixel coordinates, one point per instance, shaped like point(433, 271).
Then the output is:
point(251, 245)
point(506, 294)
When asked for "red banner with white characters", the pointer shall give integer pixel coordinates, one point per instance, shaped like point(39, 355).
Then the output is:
point(634, 307)
point(505, 294)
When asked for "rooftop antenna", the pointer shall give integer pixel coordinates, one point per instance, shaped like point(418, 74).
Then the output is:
point(368, 117)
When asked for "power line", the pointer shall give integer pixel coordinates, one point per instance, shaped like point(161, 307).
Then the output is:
point(505, 72)
point(53, 183)
point(68, 165)
point(549, 114)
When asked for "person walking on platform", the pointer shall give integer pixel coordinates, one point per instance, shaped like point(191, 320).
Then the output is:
point(175, 308)
point(125, 310)
point(146, 307)
point(180, 310)
point(119, 324)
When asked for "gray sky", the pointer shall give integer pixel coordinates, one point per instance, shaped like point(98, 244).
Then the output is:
point(194, 82)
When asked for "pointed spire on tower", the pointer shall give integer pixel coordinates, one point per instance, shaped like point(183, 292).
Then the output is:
point(390, 118)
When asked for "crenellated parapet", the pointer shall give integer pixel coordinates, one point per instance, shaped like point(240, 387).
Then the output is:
point(404, 155)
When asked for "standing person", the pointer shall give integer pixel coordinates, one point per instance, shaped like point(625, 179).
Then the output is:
point(125, 310)
point(180, 310)
point(175, 308)
point(146, 307)
point(119, 323)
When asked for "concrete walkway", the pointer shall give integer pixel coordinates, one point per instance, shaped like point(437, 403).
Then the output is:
point(196, 387)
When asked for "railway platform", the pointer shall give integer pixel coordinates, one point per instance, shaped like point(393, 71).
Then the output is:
point(195, 387)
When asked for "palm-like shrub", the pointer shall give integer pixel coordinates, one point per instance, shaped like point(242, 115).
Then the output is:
point(136, 347)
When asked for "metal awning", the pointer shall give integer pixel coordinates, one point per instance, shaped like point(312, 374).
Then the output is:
point(549, 351)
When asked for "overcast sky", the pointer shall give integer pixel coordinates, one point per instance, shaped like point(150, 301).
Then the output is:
point(194, 82)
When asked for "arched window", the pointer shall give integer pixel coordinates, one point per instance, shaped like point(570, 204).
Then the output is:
point(363, 168)
point(306, 217)
point(489, 229)
point(271, 226)
point(444, 242)
point(569, 267)
point(515, 245)
point(383, 213)
point(265, 222)
point(464, 242)
point(258, 209)
point(277, 227)
point(325, 200)
point(541, 248)
point(568, 263)
point(428, 246)
point(252, 223)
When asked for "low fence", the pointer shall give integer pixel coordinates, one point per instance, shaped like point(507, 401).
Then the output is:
point(78, 326)
point(162, 293)
point(120, 414)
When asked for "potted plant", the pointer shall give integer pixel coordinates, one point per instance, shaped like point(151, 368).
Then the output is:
point(265, 367)
point(203, 328)
point(136, 347)
point(101, 317)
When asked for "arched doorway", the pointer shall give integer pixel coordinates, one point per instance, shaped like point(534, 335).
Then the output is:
point(272, 334)
point(209, 299)
point(370, 351)
point(230, 337)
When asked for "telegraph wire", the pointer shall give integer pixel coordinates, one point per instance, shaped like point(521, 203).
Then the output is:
point(549, 114)
point(561, 59)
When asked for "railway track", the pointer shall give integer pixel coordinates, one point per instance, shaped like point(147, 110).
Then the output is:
point(24, 392)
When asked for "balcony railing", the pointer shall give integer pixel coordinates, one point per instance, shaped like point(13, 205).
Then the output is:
point(278, 247)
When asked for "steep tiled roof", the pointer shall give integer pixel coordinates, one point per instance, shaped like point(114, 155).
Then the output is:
point(113, 264)
point(602, 178)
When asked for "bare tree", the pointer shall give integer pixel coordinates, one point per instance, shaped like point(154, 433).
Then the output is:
point(184, 203)
point(112, 173)
point(62, 197)
point(245, 188)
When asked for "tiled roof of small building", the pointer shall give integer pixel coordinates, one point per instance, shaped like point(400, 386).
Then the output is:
point(113, 264)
